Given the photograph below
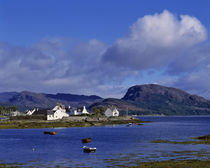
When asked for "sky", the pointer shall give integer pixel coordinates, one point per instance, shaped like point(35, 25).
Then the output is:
point(103, 47)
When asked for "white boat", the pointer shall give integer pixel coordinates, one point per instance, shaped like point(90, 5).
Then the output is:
point(88, 149)
point(129, 124)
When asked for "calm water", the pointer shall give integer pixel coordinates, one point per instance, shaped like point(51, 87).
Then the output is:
point(115, 145)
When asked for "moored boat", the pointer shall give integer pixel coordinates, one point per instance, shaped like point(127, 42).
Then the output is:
point(86, 140)
point(139, 124)
point(129, 124)
point(89, 149)
point(50, 132)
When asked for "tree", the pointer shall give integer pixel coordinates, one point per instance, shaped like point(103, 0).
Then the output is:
point(5, 110)
point(96, 111)
point(101, 109)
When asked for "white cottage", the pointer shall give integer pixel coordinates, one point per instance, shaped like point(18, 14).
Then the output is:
point(111, 112)
point(15, 113)
point(74, 112)
point(84, 111)
point(58, 112)
point(79, 111)
point(30, 112)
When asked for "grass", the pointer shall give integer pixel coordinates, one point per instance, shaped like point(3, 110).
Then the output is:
point(200, 140)
point(21, 124)
point(206, 137)
point(2, 165)
point(156, 164)
point(182, 142)
point(173, 164)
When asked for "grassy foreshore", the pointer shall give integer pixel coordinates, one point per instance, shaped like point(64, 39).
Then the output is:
point(157, 164)
point(173, 164)
point(68, 122)
point(199, 140)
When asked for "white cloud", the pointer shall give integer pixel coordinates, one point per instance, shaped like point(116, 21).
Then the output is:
point(156, 40)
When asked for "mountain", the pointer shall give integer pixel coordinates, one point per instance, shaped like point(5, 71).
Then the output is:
point(28, 100)
point(5, 96)
point(153, 99)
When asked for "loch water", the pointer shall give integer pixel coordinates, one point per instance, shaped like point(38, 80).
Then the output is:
point(116, 144)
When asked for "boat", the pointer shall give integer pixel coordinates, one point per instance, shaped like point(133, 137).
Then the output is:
point(50, 133)
point(139, 124)
point(129, 124)
point(89, 149)
point(86, 140)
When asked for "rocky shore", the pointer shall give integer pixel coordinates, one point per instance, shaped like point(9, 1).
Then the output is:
point(75, 121)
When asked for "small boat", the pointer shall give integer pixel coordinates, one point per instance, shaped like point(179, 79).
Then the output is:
point(86, 140)
point(129, 124)
point(88, 149)
point(139, 124)
point(50, 133)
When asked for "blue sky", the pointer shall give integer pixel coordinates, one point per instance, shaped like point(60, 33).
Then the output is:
point(27, 21)
point(104, 46)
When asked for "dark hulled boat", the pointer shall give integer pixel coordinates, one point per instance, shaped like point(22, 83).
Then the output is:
point(86, 140)
point(50, 132)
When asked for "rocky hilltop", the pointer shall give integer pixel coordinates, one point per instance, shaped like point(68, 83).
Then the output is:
point(156, 93)
point(29, 100)
point(155, 99)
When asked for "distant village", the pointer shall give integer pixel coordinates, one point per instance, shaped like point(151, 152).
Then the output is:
point(60, 112)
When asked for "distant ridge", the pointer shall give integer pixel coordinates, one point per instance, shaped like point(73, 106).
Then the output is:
point(72, 97)
point(155, 99)
point(5, 96)
point(28, 100)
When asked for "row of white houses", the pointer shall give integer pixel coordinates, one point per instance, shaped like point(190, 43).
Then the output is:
point(59, 111)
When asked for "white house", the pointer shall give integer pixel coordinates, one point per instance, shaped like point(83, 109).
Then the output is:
point(58, 112)
point(84, 111)
point(79, 111)
point(74, 112)
point(111, 112)
point(15, 113)
point(30, 112)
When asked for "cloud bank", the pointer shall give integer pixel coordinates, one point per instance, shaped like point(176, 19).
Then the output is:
point(164, 42)
point(59, 65)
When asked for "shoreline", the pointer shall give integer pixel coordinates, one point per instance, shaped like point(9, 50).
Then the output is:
point(173, 164)
point(172, 116)
point(67, 122)
point(153, 164)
